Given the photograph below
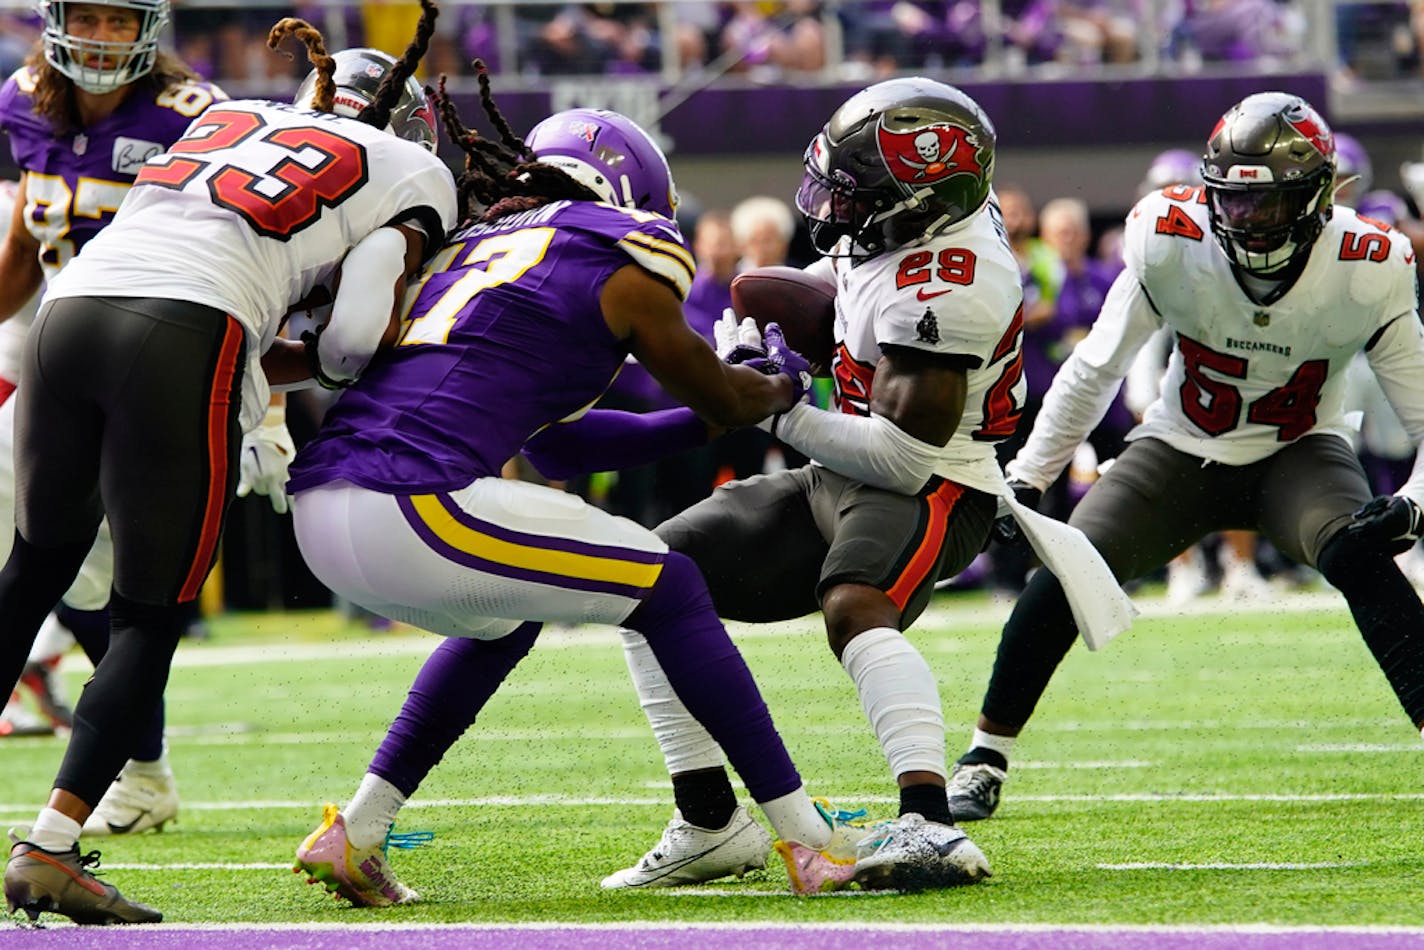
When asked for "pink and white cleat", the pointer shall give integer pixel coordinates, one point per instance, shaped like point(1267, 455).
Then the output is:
point(361, 875)
point(833, 867)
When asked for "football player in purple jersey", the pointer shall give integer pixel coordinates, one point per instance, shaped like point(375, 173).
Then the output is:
point(95, 100)
point(143, 371)
point(569, 261)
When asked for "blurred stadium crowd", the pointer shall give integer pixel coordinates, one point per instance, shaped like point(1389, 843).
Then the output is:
point(856, 39)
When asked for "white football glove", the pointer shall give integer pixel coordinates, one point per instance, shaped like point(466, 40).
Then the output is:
point(732, 334)
point(267, 451)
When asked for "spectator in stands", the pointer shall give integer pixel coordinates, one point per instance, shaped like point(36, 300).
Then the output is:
point(775, 38)
point(1234, 31)
point(762, 227)
point(1066, 229)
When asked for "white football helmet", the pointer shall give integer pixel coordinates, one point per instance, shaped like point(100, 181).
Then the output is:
point(98, 66)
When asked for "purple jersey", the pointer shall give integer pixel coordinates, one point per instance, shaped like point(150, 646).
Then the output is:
point(506, 336)
point(76, 181)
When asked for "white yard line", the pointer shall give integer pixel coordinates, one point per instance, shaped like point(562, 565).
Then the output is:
point(945, 612)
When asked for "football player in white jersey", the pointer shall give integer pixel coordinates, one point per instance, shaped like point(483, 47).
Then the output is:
point(905, 484)
point(1269, 289)
point(96, 97)
point(142, 371)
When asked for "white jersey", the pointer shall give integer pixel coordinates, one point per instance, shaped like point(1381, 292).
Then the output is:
point(1244, 379)
point(252, 209)
point(959, 295)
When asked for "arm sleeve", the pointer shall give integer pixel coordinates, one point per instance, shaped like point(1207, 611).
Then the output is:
point(1086, 383)
point(604, 440)
point(1396, 358)
point(364, 301)
point(870, 449)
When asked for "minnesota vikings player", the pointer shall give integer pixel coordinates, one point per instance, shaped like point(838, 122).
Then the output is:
point(142, 371)
point(398, 502)
point(95, 101)
point(1269, 289)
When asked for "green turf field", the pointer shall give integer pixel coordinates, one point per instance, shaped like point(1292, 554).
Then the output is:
point(1221, 767)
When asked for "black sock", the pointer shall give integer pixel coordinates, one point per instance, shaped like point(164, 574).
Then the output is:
point(982, 756)
point(926, 800)
point(705, 797)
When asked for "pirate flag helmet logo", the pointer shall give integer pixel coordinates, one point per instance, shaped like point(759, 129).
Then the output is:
point(898, 163)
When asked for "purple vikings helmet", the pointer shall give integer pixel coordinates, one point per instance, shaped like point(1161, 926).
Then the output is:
point(609, 154)
point(358, 74)
point(1176, 166)
point(100, 66)
point(1383, 206)
point(1353, 173)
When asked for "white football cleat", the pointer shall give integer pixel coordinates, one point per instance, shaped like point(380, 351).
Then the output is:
point(687, 854)
point(134, 803)
point(911, 854)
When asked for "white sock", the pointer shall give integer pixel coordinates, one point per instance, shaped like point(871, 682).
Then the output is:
point(986, 740)
point(795, 818)
point(900, 698)
point(52, 640)
point(686, 745)
point(372, 811)
point(158, 768)
point(54, 831)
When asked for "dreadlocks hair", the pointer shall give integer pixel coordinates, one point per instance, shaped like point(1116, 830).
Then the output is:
point(501, 177)
point(388, 93)
point(324, 98)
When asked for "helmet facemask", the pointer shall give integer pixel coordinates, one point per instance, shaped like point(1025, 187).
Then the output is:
point(1263, 230)
point(99, 66)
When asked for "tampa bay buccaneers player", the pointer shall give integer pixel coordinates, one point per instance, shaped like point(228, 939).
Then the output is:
point(1269, 289)
point(904, 485)
point(142, 372)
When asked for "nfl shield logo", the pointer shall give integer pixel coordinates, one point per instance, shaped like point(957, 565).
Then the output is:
point(1261, 318)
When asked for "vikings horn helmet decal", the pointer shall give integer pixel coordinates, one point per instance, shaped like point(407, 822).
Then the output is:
point(898, 162)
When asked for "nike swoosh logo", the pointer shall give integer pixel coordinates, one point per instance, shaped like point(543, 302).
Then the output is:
point(921, 295)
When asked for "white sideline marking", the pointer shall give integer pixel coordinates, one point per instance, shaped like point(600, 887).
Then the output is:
point(779, 924)
point(1224, 866)
point(203, 866)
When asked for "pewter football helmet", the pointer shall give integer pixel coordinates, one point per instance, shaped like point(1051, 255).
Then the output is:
point(1269, 170)
point(898, 161)
point(358, 74)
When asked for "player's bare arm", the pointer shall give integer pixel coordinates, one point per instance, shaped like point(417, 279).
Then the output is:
point(20, 273)
point(921, 392)
point(640, 308)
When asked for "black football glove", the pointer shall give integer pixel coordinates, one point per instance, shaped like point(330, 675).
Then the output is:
point(1006, 529)
point(1393, 522)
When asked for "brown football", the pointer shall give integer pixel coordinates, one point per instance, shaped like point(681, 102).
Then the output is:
point(804, 305)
